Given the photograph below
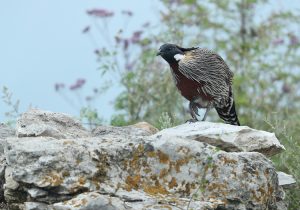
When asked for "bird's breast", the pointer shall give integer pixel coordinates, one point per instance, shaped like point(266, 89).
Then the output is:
point(190, 89)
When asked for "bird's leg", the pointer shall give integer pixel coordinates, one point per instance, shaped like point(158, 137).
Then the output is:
point(208, 107)
point(205, 114)
point(193, 108)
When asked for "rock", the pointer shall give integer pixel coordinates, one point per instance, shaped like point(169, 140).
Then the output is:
point(147, 127)
point(2, 178)
point(93, 200)
point(36, 206)
point(227, 137)
point(156, 166)
point(67, 166)
point(6, 131)
point(139, 129)
point(43, 123)
point(285, 180)
point(36, 192)
point(217, 174)
point(201, 166)
point(281, 206)
point(11, 192)
point(3, 206)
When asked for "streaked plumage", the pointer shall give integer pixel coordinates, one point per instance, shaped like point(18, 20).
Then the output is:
point(203, 78)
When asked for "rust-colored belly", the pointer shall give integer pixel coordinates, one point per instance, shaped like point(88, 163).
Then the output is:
point(188, 88)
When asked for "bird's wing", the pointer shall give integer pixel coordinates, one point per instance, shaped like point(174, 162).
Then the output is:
point(210, 70)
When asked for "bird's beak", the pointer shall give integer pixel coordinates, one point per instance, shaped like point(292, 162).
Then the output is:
point(158, 53)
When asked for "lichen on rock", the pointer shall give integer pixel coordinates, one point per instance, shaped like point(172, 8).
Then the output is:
point(55, 163)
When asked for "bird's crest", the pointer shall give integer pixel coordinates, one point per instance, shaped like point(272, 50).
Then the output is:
point(187, 49)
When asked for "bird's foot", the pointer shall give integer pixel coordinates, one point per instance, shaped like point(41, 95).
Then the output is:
point(193, 108)
point(205, 114)
point(191, 121)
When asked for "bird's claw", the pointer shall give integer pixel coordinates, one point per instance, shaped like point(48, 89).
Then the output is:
point(193, 120)
point(194, 110)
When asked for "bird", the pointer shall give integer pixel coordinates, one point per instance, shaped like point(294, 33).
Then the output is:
point(203, 78)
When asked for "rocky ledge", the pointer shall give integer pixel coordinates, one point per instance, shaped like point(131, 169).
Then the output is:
point(52, 162)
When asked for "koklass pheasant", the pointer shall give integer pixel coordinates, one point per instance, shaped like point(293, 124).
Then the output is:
point(203, 78)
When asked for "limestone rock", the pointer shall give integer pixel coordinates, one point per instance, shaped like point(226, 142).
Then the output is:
point(285, 180)
point(3, 206)
point(138, 129)
point(36, 192)
point(126, 131)
point(36, 206)
point(281, 206)
point(6, 131)
point(95, 200)
point(155, 166)
point(43, 123)
point(2, 178)
point(11, 192)
point(147, 127)
point(227, 137)
point(91, 200)
point(58, 165)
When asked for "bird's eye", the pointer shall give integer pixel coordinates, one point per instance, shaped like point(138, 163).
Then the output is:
point(169, 48)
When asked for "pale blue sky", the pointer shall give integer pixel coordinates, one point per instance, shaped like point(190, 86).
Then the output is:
point(41, 43)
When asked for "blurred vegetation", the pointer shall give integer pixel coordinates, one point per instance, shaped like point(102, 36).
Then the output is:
point(13, 113)
point(73, 95)
point(259, 44)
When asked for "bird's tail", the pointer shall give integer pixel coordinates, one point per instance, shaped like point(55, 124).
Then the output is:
point(228, 113)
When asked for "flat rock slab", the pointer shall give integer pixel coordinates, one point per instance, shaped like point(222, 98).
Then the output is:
point(139, 129)
point(285, 180)
point(227, 137)
point(96, 200)
point(37, 122)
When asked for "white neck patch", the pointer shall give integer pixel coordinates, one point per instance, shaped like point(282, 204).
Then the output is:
point(178, 57)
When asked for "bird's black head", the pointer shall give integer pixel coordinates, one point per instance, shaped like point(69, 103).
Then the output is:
point(168, 52)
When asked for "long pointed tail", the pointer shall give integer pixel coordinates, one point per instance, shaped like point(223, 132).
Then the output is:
point(228, 113)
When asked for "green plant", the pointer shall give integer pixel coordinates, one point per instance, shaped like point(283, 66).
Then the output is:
point(288, 161)
point(165, 121)
point(89, 116)
point(13, 113)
